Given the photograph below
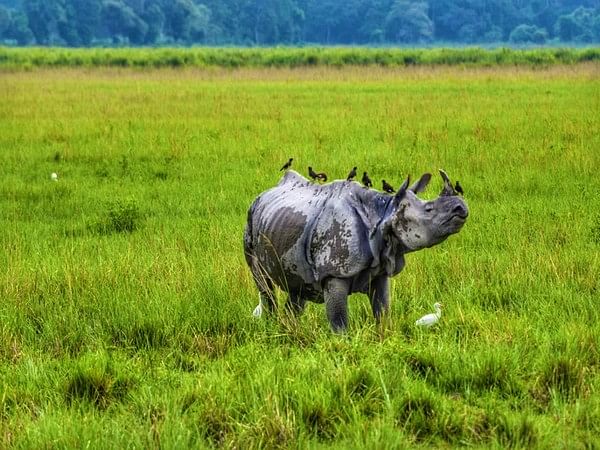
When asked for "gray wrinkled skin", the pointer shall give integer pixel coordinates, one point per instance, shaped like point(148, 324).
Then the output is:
point(324, 242)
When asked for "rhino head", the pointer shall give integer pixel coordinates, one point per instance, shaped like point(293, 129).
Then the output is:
point(417, 223)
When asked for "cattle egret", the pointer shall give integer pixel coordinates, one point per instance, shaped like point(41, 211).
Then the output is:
point(430, 319)
point(54, 176)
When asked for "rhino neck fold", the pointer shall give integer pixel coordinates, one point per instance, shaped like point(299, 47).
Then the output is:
point(387, 248)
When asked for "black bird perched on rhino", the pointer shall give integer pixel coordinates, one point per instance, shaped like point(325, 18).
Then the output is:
point(287, 165)
point(321, 176)
point(346, 239)
point(366, 180)
point(458, 188)
point(351, 174)
point(387, 187)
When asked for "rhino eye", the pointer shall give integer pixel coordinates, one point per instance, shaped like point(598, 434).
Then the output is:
point(428, 207)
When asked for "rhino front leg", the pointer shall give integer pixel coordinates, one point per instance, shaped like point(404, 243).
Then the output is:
point(379, 294)
point(335, 293)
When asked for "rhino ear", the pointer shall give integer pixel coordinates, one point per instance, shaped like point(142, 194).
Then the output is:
point(402, 189)
point(420, 185)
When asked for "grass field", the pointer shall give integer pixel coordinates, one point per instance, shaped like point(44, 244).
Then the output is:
point(125, 317)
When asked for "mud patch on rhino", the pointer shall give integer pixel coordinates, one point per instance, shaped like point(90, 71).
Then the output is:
point(331, 248)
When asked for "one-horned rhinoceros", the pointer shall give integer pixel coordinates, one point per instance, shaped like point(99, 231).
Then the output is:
point(324, 242)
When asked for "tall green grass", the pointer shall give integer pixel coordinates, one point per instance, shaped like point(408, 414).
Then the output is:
point(23, 58)
point(126, 301)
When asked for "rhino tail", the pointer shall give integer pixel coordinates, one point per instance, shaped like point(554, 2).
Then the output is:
point(248, 242)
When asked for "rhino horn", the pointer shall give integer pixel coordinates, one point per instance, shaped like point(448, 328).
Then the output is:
point(448, 189)
point(402, 189)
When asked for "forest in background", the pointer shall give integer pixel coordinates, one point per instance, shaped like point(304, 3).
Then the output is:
point(83, 23)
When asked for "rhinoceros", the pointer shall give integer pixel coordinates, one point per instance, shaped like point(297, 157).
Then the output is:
point(324, 242)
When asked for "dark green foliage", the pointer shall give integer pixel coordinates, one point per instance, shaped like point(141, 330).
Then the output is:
point(321, 421)
point(147, 335)
point(215, 423)
point(565, 376)
point(5, 20)
point(287, 57)
point(94, 380)
point(85, 19)
point(18, 29)
point(417, 412)
point(361, 383)
point(122, 22)
point(407, 21)
point(297, 22)
point(581, 25)
point(123, 216)
point(525, 34)
point(421, 363)
point(515, 431)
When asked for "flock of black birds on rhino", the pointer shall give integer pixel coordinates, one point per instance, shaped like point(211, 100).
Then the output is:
point(366, 181)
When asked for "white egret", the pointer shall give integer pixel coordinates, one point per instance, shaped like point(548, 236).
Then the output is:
point(54, 176)
point(430, 319)
point(258, 310)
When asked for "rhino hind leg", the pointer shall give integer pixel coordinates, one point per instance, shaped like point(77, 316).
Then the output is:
point(295, 304)
point(335, 292)
point(379, 294)
point(265, 291)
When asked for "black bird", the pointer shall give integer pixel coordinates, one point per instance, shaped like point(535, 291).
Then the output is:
point(287, 165)
point(352, 174)
point(322, 176)
point(387, 187)
point(458, 188)
point(366, 180)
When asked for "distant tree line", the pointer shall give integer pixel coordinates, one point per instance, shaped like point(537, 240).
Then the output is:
point(81, 23)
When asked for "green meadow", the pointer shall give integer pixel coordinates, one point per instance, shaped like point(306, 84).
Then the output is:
point(126, 304)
